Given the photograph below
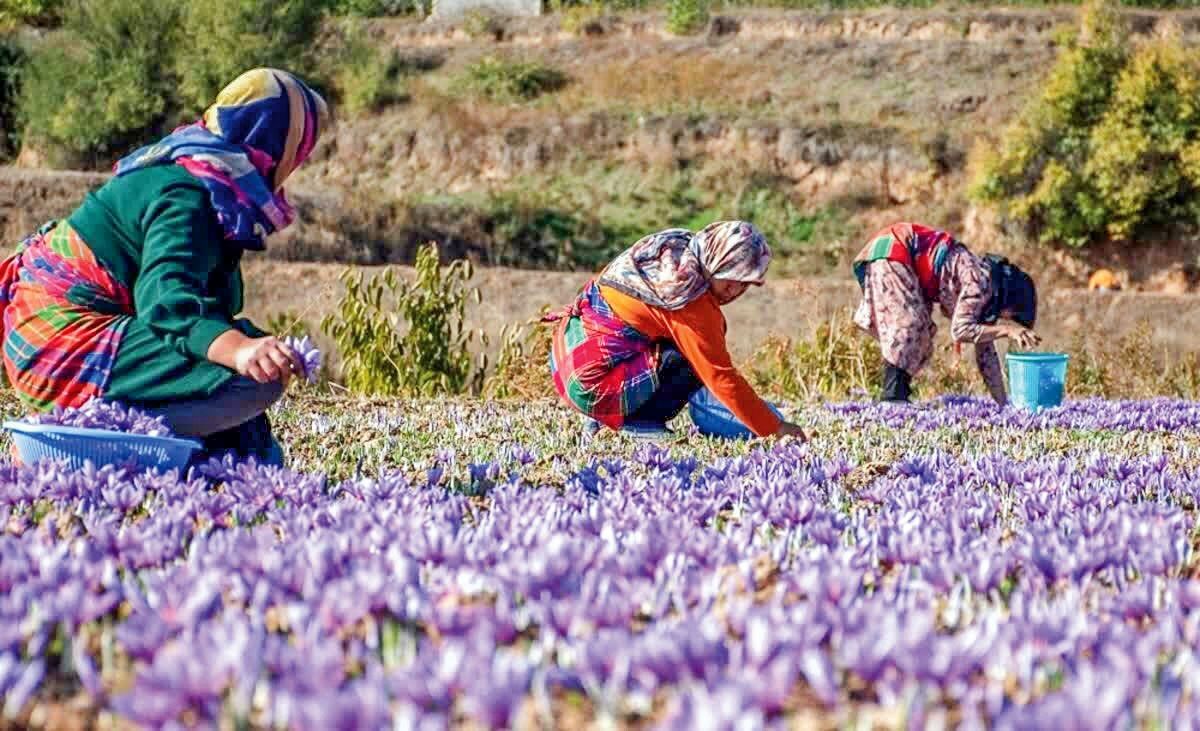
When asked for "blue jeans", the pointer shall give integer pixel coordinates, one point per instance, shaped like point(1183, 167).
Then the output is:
point(676, 384)
point(233, 419)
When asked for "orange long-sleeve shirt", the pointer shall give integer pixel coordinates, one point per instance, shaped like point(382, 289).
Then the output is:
point(698, 331)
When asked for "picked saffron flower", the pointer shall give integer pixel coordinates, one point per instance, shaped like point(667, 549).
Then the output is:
point(100, 414)
point(309, 355)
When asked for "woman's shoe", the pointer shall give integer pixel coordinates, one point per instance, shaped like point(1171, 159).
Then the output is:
point(646, 430)
point(590, 428)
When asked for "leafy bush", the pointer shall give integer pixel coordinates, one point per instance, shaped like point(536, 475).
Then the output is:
point(835, 362)
point(1144, 147)
point(100, 85)
point(364, 77)
point(12, 66)
point(223, 38)
point(397, 337)
point(685, 17)
point(122, 71)
point(521, 369)
point(378, 8)
point(511, 81)
point(1109, 147)
point(483, 23)
point(576, 18)
point(29, 12)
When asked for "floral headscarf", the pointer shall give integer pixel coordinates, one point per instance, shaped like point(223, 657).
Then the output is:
point(261, 128)
point(672, 268)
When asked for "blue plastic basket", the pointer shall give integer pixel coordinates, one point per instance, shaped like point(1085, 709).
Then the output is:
point(101, 447)
point(714, 420)
point(1036, 379)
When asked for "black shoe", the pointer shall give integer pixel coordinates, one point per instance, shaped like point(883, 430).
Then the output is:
point(897, 385)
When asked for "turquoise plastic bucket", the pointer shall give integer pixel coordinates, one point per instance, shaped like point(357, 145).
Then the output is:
point(1035, 380)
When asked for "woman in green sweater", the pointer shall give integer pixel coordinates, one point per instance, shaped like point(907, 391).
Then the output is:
point(134, 297)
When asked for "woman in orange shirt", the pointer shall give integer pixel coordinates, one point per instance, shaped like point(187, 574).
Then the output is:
point(648, 332)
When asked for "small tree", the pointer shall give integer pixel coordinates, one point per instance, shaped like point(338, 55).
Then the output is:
point(685, 17)
point(99, 87)
point(1037, 173)
point(1143, 147)
point(400, 337)
point(1111, 146)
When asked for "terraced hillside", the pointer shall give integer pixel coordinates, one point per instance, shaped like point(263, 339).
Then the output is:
point(820, 125)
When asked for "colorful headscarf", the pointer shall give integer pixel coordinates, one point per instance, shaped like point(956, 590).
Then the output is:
point(261, 128)
point(672, 268)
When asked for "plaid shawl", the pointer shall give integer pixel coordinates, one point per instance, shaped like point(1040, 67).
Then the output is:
point(63, 316)
point(600, 365)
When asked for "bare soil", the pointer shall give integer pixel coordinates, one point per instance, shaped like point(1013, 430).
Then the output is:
point(787, 307)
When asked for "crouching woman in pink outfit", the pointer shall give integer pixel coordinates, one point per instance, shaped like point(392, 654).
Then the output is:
point(906, 269)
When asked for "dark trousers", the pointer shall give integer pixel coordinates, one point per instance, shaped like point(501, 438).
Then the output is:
point(676, 384)
point(233, 419)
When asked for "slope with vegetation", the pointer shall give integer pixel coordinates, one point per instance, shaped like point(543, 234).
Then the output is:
point(552, 142)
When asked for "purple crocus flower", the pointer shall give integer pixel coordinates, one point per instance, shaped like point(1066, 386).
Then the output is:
point(308, 353)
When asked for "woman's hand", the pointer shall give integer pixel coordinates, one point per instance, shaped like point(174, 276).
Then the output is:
point(1022, 337)
point(267, 359)
point(787, 429)
point(264, 359)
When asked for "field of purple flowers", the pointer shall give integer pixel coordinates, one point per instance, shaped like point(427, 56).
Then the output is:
point(437, 564)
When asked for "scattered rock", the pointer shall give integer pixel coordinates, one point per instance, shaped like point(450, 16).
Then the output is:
point(1174, 281)
point(964, 104)
point(594, 29)
point(723, 25)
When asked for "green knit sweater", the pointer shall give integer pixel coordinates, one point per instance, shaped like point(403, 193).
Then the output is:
point(156, 232)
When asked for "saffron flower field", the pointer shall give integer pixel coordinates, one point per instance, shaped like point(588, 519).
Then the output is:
point(478, 565)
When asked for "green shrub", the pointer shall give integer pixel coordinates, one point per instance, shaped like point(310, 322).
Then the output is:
point(836, 361)
point(224, 38)
point(685, 17)
point(576, 18)
point(122, 71)
point(364, 77)
point(521, 365)
point(378, 8)
point(1142, 148)
point(29, 12)
point(511, 81)
point(12, 67)
point(1108, 148)
point(101, 84)
point(397, 337)
point(483, 23)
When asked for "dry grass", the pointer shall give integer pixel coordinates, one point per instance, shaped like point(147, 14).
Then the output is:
point(667, 80)
point(783, 307)
point(794, 339)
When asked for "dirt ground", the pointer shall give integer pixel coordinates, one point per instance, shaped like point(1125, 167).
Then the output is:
point(787, 307)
